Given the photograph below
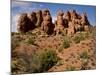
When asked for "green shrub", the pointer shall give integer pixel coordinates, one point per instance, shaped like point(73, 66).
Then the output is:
point(30, 33)
point(93, 32)
point(48, 58)
point(71, 68)
point(66, 43)
point(84, 55)
point(79, 38)
point(31, 41)
point(19, 65)
point(15, 42)
point(14, 33)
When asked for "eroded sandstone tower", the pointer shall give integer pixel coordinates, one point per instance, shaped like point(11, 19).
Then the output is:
point(68, 23)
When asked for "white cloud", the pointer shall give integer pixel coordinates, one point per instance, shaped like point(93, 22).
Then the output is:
point(14, 22)
point(54, 18)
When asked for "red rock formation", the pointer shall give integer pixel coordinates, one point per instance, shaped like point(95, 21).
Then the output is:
point(67, 16)
point(24, 23)
point(84, 19)
point(59, 23)
point(67, 19)
point(47, 25)
point(70, 22)
point(39, 18)
point(32, 17)
point(71, 30)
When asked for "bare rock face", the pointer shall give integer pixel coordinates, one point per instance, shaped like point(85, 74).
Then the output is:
point(32, 17)
point(73, 15)
point(47, 25)
point(67, 16)
point(86, 28)
point(80, 23)
point(84, 19)
point(39, 18)
point(59, 23)
point(24, 23)
point(71, 29)
point(60, 20)
point(74, 23)
point(85, 22)
point(67, 19)
point(68, 23)
point(78, 28)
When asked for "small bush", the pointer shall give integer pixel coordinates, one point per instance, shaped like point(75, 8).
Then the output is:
point(15, 42)
point(84, 55)
point(14, 33)
point(71, 68)
point(31, 41)
point(79, 38)
point(66, 43)
point(29, 33)
point(48, 58)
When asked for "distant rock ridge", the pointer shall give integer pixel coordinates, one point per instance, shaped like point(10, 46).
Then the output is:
point(68, 23)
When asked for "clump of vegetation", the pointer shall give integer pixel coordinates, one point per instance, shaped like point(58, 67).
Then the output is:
point(79, 38)
point(14, 33)
point(48, 58)
point(66, 43)
point(15, 42)
point(84, 55)
point(93, 32)
point(71, 68)
point(31, 41)
point(19, 66)
point(38, 62)
point(29, 33)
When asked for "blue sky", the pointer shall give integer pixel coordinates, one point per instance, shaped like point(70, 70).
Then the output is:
point(18, 7)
